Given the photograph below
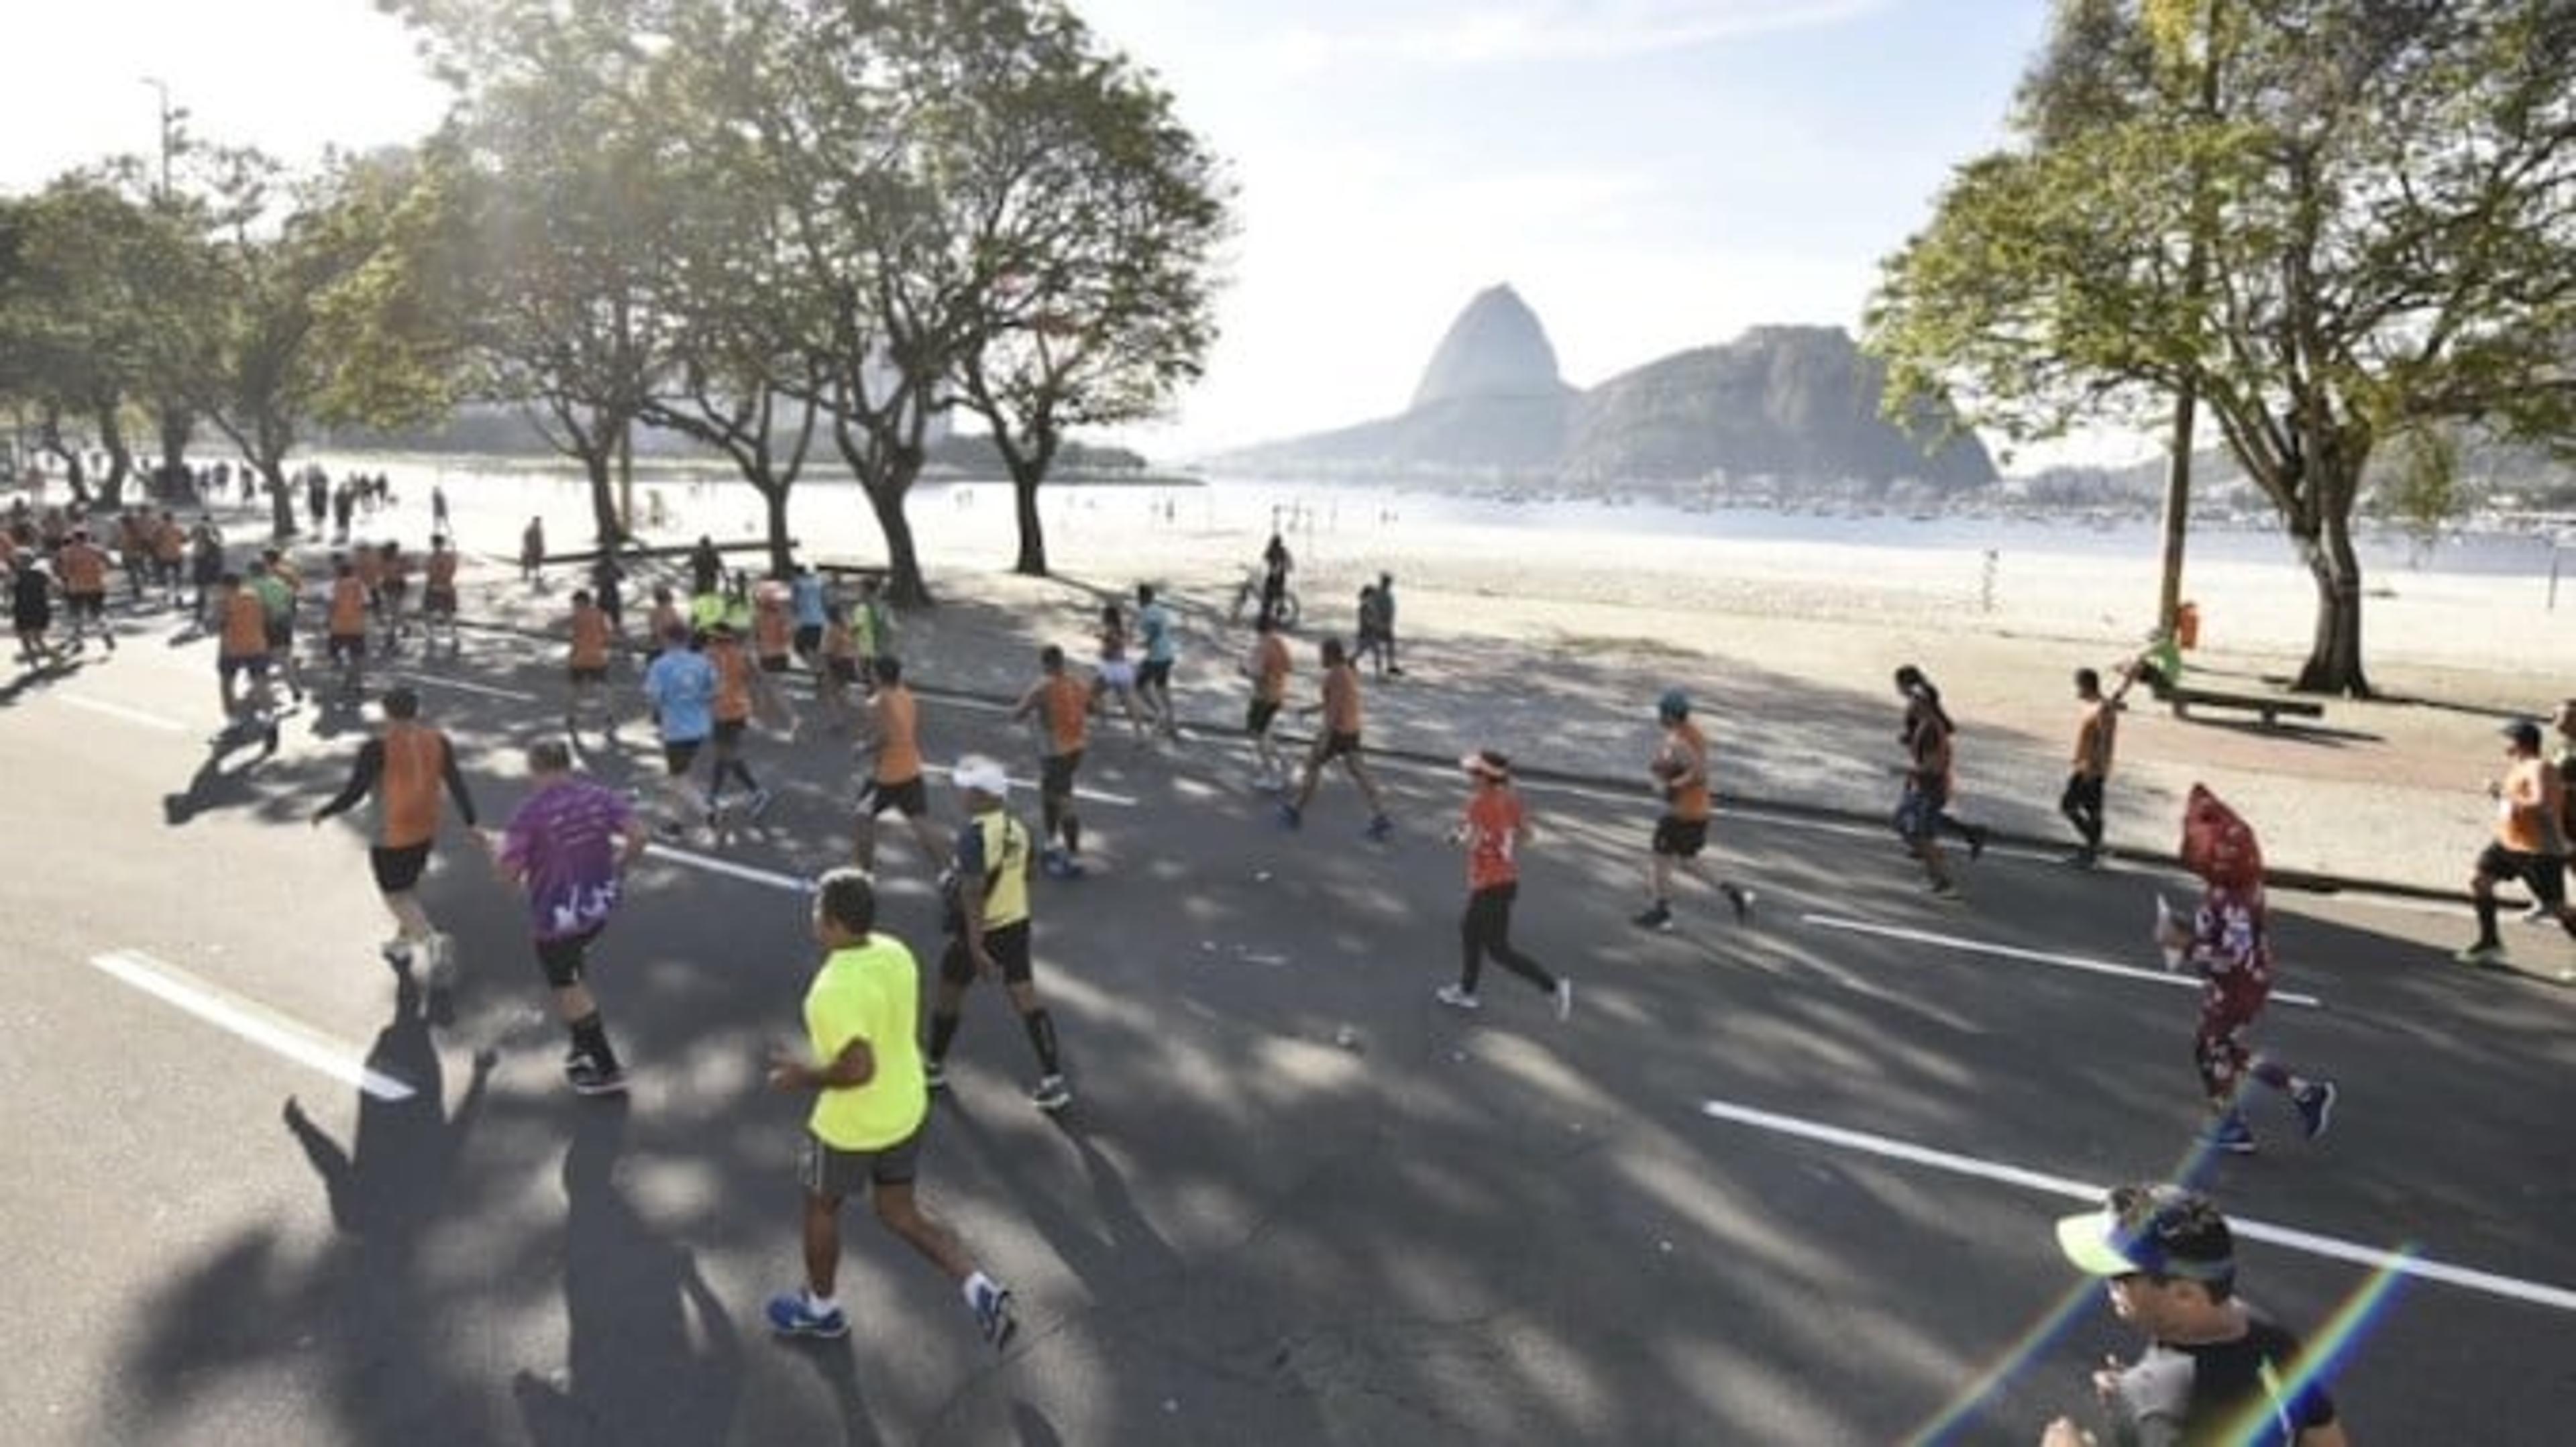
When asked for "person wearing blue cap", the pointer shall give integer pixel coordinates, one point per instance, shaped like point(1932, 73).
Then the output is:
point(2215, 1369)
point(1680, 773)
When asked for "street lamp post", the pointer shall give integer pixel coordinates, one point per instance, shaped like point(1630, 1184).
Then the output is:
point(168, 116)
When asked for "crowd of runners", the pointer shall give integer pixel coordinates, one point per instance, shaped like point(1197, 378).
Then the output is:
point(720, 660)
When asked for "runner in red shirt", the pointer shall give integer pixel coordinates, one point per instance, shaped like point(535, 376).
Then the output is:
point(1493, 831)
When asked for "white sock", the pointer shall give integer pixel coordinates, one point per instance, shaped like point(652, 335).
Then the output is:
point(820, 1305)
point(978, 1283)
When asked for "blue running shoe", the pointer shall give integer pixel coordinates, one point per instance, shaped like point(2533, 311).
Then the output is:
point(1289, 818)
point(791, 1315)
point(992, 1314)
point(1380, 827)
point(2229, 1133)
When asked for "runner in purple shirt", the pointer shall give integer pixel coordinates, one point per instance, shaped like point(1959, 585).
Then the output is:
point(568, 846)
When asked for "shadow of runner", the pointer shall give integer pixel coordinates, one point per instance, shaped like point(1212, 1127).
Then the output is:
point(388, 1183)
point(652, 1357)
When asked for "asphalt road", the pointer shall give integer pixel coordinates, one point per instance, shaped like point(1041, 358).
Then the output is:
point(1784, 1184)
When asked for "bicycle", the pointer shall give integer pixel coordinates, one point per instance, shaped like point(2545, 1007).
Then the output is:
point(1247, 596)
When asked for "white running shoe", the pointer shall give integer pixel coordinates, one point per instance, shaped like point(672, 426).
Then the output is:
point(1454, 998)
point(441, 973)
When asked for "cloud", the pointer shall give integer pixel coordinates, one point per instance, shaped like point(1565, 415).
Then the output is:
point(1558, 30)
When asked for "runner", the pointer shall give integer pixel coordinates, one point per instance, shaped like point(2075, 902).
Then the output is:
point(169, 552)
point(347, 626)
point(987, 891)
point(569, 845)
point(205, 570)
point(438, 599)
point(1154, 677)
point(838, 666)
point(807, 600)
point(586, 671)
point(1267, 667)
point(2228, 943)
point(2097, 726)
point(2531, 805)
point(242, 648)
point(740, 688)
point(1338, 739)
point(1680, 772)
point(1386, 623)
point(1117, 673)
point(682, 687)
point(1063, 708)
point(871, 1102)
point(83, 566)
point(393, 593)
point(404, 766)
point(1493, 832)
point(276, 594)
point(1922, 812)
point(2215, 1369)
point(666, 615)
point(31, 610)
point(532, 550)
point(773, 634)
point(894, 779)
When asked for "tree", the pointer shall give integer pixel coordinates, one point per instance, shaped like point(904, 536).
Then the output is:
point(1104, 215)
point(2383, 192)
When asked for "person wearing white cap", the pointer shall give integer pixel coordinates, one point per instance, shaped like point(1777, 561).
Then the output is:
point(2214, 1368)
point(987, 892)
point(1493, 830)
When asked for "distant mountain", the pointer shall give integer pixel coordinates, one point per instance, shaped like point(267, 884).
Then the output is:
point(1789, 404)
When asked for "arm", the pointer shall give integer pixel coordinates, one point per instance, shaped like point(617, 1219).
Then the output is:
point(456, 783)
point(362, 777)
point(855, 1066)
point(637, 839)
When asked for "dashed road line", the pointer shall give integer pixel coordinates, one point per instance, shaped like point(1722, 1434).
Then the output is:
point(691, 859)
point(433, 680)
point(2036, 957)
point(251, 1020)
point(120, 711)
point(1115, 801)
point(2398, 1260)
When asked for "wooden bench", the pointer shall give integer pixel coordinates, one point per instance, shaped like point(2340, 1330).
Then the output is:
point(638, 550)
point(2270, 707)
point(846, 570)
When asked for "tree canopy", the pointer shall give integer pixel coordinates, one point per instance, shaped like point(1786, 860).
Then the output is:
point(2335, 222)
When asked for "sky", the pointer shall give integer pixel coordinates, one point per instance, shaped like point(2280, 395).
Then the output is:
point(1649, 175)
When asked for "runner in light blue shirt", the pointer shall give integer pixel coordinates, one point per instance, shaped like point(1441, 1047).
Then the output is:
point(682, 686)
point(1154, 679)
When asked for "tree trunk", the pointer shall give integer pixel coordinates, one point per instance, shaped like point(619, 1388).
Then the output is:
point(904, 585)
point(281, 498)
point(601, 464)
point(2334, 656)
point(176, 424)
point(1025, 477)
point(120, 458)
point(782, 546)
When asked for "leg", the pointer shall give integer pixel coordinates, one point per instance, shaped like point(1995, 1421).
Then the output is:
point(1472, 930)
point(902, 1215)
point(863, 843)
point(411, 921)
point(1368, 787)
point(1498, 940)
point(823, 1242)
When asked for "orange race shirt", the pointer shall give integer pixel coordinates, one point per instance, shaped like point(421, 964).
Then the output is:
point(169, 543)
point(589, 637)
point(442, 570)
point(371, 568)
point(1689, 803)
point(1493, 828)
point(2530, 801)
point(898, 736)
point(1342, 699)
point(1270, 669)
point(348, 608)
point(407, 794)
point(84, 568)
point(245, 626)
point(733, 680)
point(1067, 707)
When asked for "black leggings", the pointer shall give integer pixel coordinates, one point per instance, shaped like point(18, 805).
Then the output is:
point(2082, 806)
point(1486, 929)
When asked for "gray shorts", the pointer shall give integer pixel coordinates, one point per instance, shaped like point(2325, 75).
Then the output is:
point(836, 1174)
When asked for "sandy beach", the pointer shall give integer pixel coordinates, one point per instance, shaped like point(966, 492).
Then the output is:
point(1553, 634)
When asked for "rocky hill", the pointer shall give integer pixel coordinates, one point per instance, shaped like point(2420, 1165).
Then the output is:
point(1794, 405)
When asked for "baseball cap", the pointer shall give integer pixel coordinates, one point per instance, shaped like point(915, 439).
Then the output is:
point(983, 775)
point(2156, 1229)
point(2524, 733)
point(1488, 764)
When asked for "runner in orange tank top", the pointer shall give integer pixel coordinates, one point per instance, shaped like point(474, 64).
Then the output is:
point(895, 782)
point(739, 688)
point(241, 648)
point(1062, 706)
point(1493, 831)
point(345, 628)
point(82, 565)
point(438, 598)
point(587, 669)
point(1338, 739)
point(406, 766)
point(1679, 770)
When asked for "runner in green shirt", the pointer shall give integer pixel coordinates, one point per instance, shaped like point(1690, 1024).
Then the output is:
point(864, 1133)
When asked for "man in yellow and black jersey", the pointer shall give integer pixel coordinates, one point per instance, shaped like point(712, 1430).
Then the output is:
point(988, 927)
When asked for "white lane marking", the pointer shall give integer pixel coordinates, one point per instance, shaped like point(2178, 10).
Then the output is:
point(1118, 801)
point(2537, 1293)
point(2037, 957)
point(691, 859)
point(118, 710)
point(433, 680)
point(250, 1020)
